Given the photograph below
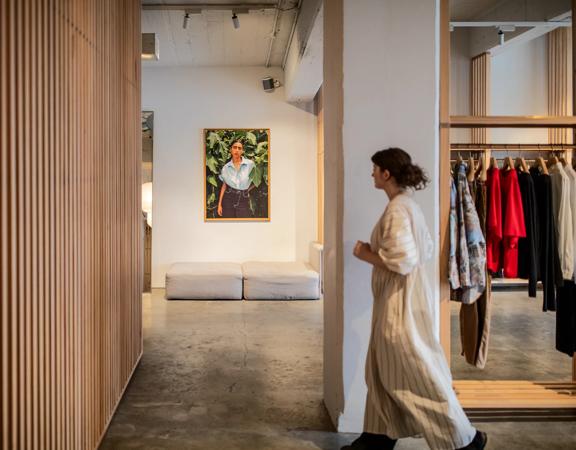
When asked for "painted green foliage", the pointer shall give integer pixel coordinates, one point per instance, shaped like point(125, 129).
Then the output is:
point(256, 148)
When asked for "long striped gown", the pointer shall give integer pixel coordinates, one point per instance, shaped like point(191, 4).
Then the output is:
point(409, 383)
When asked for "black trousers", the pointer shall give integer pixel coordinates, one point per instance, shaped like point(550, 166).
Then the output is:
point(566, 318)
point(236, 204)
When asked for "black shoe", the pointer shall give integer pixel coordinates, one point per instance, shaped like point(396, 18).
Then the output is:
point(478, 443)
point(369, 441)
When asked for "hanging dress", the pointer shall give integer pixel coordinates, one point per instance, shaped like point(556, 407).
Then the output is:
point(549, 262)
point(572, 176)
point(528, 264)
point(513, 227)
point(563, 214)
point(493, 220)
point(409, 383)
point(475, 318)
point(471, 245)
point(566, 294)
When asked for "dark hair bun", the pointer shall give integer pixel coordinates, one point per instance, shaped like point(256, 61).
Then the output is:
point(412, 176)
point(399, 164)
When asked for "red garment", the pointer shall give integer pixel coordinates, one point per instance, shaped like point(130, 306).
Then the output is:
point(513, 226)
point(493, 219)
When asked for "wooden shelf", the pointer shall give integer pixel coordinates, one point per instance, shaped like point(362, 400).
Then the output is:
point(515, 394)
point(511, 122)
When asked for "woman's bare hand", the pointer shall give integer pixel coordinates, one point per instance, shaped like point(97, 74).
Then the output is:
point(362, 250)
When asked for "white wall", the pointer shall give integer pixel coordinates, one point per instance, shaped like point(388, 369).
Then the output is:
point(460, 80)
point(390, 99)
point(303, 70)
point(186, 100)
point(520, 87)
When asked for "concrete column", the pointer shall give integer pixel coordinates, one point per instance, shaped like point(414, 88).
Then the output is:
point(381, 88)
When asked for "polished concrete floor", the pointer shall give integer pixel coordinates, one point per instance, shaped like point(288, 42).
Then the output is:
point(522, 342)
point(248, 376)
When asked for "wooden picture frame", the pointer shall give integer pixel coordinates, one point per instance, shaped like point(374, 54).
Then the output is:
point(256, 148)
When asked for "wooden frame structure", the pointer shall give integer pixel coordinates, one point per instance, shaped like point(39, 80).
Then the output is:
point(497, 394)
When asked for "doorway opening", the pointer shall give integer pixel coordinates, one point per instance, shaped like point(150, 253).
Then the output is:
point(503, 118)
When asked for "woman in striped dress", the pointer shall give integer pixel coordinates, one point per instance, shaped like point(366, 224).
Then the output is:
point(409, 383)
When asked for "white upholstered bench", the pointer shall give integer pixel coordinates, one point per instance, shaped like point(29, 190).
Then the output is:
point(204, 281)
point(256, 280)
point(280, 281)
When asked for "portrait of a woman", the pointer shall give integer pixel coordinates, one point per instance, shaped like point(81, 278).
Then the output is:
point(234, 199)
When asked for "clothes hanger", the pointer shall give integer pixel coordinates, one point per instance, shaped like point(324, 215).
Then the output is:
point(520, 164)
point(541, 164)
point(493, 163)
point(471, 169)
point(562, 159)
point(481, 168)
point(484, 169)
point(535, 164)
point(459, 159)
point(508, 163)
point(552, 160)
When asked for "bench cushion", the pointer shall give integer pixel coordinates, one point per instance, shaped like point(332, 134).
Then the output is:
point(280, 281)
point(204, 281)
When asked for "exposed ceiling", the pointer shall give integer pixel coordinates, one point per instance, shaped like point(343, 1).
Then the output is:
point(210, 38)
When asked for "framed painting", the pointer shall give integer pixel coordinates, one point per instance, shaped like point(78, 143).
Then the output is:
point(236, 174)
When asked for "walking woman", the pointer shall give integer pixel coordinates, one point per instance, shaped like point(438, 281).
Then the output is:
point(234, 199)
point(409, 383)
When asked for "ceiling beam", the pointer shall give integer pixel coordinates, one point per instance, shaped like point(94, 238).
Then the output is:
point(519, 24)
point(531, 34)
point(213, 6)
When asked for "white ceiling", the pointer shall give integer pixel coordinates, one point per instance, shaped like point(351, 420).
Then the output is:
point(210, 38)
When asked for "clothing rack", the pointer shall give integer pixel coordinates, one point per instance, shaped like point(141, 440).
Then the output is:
point(523, 147)
point(497, 393)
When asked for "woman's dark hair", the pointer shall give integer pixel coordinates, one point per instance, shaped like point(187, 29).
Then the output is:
point(399, 164)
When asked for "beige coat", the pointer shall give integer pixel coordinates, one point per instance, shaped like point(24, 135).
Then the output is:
point(409, 383)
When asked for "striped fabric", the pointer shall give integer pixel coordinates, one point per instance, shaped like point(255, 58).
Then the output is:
point(409, 383)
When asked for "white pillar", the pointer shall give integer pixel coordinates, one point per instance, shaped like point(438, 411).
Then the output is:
point(381, 84)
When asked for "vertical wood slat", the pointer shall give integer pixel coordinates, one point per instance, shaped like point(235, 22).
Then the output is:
point(480, 98)
point(70, 282)
point(558, 79)
point(444, 190)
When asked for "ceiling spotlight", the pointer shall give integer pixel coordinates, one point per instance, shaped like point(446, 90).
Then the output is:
point(235, 21)
point(504, 29)
point(186, 18)
point(501, 37)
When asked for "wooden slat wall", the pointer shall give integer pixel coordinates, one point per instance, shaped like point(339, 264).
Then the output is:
point(480, 93)
point(558, 83)
point(70, 243)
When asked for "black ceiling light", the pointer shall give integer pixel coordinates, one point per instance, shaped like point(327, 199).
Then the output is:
point(235, 21)
point(186, 18)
